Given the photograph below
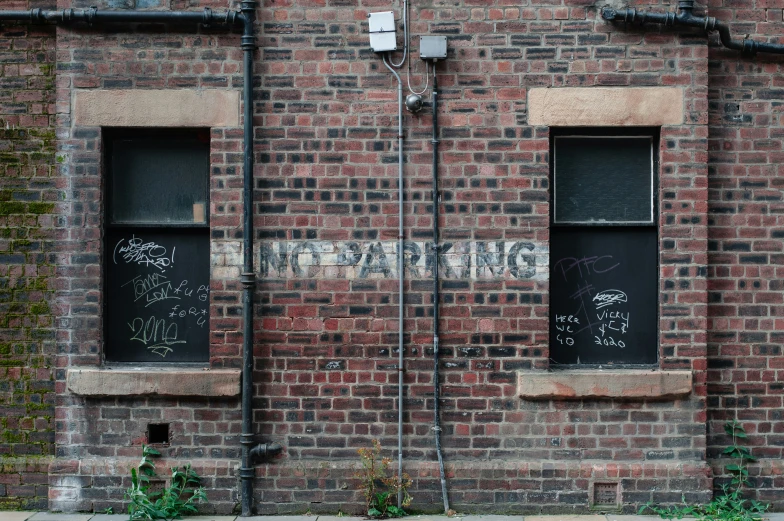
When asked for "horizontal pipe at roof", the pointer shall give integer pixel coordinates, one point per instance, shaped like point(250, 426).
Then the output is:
point(99, 16)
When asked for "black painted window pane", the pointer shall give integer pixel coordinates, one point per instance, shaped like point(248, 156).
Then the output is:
point(603, 295)
point(157, 292)
point(159, 180)
point(603, 179)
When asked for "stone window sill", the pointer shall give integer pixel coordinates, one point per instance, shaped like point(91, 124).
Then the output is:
point(616, 383)
point(156, 382)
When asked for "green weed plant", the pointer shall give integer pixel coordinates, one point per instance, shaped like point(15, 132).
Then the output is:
point(178, 499)
point(379, 487)
point(730, 504)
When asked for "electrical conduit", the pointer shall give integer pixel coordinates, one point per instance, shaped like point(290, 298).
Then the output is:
point(400, 255)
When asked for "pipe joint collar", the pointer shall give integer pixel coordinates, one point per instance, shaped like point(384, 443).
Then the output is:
point(248, 43)
point(248, 279)
point(749, 47)
point(207, 16)
point(247, 472)
point(247, 439)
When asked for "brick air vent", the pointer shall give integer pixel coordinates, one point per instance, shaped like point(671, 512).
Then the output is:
point(158, 433)
point(605, 495)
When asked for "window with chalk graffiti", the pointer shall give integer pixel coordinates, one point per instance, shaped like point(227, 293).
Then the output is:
point(156, 246)
point(604, 249)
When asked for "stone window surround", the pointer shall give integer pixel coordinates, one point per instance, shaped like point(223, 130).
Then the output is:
point(605, 107)
point(155, 108)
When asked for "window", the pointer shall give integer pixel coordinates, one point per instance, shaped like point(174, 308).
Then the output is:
point(604, 248)
point(156, 286)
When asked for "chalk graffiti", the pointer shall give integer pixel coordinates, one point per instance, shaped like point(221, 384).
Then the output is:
point(136, 251)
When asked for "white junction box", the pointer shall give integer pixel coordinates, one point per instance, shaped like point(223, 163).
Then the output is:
point(432, 47)
point(382, 31)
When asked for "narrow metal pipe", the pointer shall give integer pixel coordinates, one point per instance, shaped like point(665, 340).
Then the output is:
point(248, 278)
point(685, 17)
point(400, 256)
point(436, 298)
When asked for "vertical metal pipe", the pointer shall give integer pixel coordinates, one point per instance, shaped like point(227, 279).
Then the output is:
point(436, 298)
point(401, 271)
point(248, 278)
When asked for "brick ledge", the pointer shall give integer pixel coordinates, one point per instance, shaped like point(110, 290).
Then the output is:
point(633, 384)
point(169, 382)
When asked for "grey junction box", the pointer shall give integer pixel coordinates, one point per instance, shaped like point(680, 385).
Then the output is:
point(432, 47)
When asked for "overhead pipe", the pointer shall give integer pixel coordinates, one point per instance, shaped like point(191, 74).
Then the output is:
point(685, 17)
point(99, 16)
point(246, 16)
point(436, 298)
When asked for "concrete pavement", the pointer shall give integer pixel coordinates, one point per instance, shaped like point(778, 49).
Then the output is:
point(47, 516)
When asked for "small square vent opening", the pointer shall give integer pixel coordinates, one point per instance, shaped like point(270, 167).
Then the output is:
point(158, 433)
point(606, 496)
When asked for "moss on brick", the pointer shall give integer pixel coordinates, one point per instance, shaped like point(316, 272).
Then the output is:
point(9, 208)
point(40, 208)
point(8, 159)
point(39, 308)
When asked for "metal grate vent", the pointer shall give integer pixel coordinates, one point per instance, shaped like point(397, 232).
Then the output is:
point(605, 494)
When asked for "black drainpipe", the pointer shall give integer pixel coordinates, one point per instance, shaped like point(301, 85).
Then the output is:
point(436, 297)
point(228, 19)
point(685, 17)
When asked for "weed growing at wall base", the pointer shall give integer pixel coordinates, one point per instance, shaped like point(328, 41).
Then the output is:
point(379, 487)
point(730, 505)
point(172, 502)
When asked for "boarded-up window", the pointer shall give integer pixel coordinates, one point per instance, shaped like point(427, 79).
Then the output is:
point(157, 246)
point(604, 250)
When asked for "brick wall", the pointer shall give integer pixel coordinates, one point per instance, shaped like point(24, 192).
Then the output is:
point(746, 229)
point(99, 438)
point(325, 373)
point(28, 191)
point(328, 362)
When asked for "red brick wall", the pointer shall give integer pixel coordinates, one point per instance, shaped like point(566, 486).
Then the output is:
point(328, 175)
point(325, 345)
point(99, 438)
point(746, 368)
point(28, 191)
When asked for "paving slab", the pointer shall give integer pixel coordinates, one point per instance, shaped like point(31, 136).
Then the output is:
point(775, 516)
point(15, 516)
point(207, 517)
point(490, 517)
point(55, 516)
point(619, 517)
point(109, 517)
point(567, 517)
point(279, 518)
point(340, 518)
